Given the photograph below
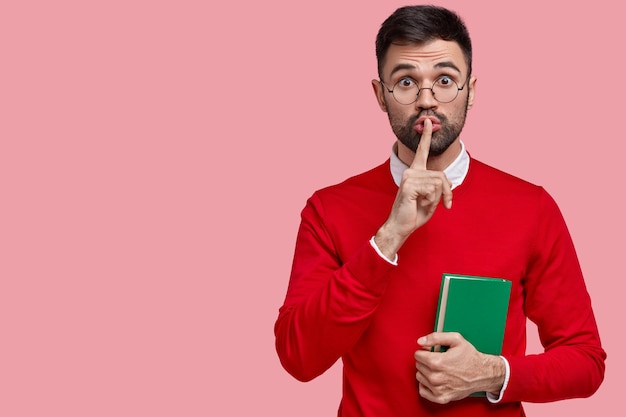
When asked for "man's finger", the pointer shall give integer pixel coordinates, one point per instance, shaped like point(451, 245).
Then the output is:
point(447, 194)
point(421, 154)
point(440, 338)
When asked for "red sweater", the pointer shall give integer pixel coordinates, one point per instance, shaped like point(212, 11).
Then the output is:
point(345, 301)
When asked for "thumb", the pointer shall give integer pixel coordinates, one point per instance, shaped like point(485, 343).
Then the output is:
point(440, 339)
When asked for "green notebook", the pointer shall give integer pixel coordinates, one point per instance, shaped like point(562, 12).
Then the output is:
point(477, 308)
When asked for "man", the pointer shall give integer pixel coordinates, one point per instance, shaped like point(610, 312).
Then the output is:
point(371, 252)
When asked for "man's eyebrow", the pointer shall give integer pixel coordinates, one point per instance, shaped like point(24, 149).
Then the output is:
point(401, 67)
point(447, 64)
point(405, 66)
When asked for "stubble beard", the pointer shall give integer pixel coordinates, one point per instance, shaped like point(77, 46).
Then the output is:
point(441, 139)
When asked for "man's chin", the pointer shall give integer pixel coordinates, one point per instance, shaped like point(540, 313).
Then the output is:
point(436, 147)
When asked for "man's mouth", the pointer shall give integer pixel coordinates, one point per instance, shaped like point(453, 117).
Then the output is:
point(419, 124)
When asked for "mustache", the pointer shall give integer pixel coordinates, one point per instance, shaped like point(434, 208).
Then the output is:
point(426, 113)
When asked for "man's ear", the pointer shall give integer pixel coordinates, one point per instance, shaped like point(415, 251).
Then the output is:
point(379, 92)
point(471, 85)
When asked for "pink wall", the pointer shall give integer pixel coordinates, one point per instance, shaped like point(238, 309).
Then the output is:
point(155, 156)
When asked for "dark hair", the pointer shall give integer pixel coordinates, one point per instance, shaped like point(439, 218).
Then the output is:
point(420, 24)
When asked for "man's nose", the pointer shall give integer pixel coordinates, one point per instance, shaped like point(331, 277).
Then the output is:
point(426, 99)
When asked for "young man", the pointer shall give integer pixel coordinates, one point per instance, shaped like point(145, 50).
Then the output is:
point(371, 252)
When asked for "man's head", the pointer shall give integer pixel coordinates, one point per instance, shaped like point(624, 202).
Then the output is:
point(424, 64)
point(419, 25)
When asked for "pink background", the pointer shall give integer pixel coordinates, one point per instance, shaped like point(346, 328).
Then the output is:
point(155, 156)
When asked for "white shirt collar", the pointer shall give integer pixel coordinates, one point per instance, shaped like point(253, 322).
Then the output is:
point(455, 172)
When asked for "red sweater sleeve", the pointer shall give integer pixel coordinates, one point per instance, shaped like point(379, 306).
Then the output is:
point(556, 299)
point(329, 302)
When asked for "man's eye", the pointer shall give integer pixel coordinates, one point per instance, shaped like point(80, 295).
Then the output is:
point(445, 81)
point(406, 83)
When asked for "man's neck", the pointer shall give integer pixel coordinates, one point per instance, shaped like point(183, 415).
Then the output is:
point(434, 163)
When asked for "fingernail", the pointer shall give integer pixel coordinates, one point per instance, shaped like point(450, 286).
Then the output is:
point(421, 340)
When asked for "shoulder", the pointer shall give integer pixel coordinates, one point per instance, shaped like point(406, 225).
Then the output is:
point(375, 180)
point(493, 179)
point(498, 176)
point(364, 195)
point(498, 187)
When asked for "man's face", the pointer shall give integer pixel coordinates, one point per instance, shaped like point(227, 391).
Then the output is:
point(424, 64)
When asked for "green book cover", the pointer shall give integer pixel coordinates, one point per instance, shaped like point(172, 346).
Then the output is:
point(477, 308)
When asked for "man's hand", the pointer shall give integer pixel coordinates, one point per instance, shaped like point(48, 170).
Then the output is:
point(458, 372)
point(418, 196)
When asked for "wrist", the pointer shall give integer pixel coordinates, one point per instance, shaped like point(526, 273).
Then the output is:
point(388, 243)
point(495, 372)
point(393, 261)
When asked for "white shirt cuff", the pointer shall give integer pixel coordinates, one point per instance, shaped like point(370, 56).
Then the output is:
point(395, 260)
point(496, 399)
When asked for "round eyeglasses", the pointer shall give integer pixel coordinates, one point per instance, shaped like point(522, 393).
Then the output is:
point(406, 90)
